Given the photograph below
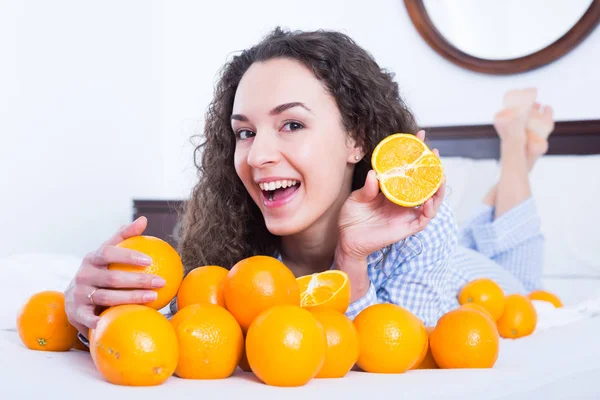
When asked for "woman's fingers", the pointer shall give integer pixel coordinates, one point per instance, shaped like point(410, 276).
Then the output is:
point(85, 318)
point(421, 134)
point(108, 254)
point(136, 228)
point(434, 203)
point(369, 191)
point(104, 278)
point(109, 298)
point(430, 208)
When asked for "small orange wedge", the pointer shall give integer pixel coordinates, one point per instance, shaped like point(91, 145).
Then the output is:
point(546, 296)
point(409, 173)
point(329, 289)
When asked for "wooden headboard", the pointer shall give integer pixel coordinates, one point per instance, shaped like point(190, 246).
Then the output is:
point(481, 141)
point(473, 141)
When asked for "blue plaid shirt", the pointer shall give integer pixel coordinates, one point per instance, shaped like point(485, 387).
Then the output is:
point(414, 273)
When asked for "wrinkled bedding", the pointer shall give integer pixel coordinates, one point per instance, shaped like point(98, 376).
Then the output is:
point(560, 360)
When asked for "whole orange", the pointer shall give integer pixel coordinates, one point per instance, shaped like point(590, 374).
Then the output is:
point(486, 293)
point(426, 360)
point(519, 318)
point(546, 296)
point(392, 339)
point(465, 338)
point(80, 346)
point(479, 307)
point(166, 263)
point(342, 343)
point(210, 342)
point(134, 345)
point(202, 285)
point(256, 283)
point(43, 325)
point(286, 346)
point(243, 364)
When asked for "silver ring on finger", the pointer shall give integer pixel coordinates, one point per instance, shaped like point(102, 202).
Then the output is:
point(90, 296)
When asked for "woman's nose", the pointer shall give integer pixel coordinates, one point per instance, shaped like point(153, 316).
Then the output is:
point(264, 150)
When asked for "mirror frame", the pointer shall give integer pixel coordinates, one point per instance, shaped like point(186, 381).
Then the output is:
point(560, 47)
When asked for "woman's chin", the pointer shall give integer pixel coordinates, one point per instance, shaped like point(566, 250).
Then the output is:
point(280, 228)
point(285, 226)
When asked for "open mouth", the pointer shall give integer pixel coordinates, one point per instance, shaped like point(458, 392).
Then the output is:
point(277, 192)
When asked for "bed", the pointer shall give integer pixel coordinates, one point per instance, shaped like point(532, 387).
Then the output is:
point(560, 360)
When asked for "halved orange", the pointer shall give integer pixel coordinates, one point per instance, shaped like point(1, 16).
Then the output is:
point(329, 289)
point(409, 173)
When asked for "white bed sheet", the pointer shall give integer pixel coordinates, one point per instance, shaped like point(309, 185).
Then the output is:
point(560, 360)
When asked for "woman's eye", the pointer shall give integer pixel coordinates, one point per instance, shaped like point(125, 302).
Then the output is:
point(292, 126)
point(244, 134)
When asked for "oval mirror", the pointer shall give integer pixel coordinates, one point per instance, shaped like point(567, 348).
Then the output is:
point(503, 37)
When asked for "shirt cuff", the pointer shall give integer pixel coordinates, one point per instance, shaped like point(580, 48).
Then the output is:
point(367, 300)
point(506, 232)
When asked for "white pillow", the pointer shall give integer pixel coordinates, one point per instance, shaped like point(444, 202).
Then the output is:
point(26, 274)
point(567, 192)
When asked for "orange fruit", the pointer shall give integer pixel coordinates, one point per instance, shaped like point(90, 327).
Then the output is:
point(202, 285)
point(545, 296)
point(486, 293)
point(426, 360)
point(256, 283)
point(80, 346)
point(243, 364)
point(286, 346)
point(166, 263)
point(342, 343)
point(519, 318)
point(43, 325)
point(134, 345)
point(409, 172)
point(329, 289)
point(480, 308)
point(392, 339)
point(465, 338)
point(210, 342)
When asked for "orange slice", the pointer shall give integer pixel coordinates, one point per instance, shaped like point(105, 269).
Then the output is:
point(329, 289)
point(545, 296)
point(409, 173)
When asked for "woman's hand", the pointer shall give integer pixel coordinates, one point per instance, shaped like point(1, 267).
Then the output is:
point(369, 221)
point(94, 285)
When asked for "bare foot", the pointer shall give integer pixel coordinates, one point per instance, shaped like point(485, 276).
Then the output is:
point(539, 127)
point(520, 98)
point(510, 123)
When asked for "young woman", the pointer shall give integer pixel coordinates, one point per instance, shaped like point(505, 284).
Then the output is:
point(284, 170)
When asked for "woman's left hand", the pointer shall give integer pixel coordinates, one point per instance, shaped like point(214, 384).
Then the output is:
point(369, 221)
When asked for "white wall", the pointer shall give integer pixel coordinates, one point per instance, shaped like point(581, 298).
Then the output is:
point(199, 38)
point(99, 99)
point(81, 122)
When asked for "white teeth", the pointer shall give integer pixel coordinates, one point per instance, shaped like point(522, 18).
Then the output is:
point(276, 184)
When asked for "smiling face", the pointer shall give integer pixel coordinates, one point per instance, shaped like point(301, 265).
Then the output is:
point(292, 152)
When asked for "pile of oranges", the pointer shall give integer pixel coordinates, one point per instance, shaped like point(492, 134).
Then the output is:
point(285, 330)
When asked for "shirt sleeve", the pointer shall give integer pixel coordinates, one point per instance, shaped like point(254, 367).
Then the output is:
point(417, 279)
point(367, 300)
point(414, 272)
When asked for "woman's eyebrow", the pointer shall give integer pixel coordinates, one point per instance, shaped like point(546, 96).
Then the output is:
point(286, 106)
point(276, 110)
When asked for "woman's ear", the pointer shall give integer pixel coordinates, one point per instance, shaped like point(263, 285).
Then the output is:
point(355, 152)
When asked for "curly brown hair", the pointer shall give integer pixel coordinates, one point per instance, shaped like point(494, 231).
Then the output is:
point(221, 223)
